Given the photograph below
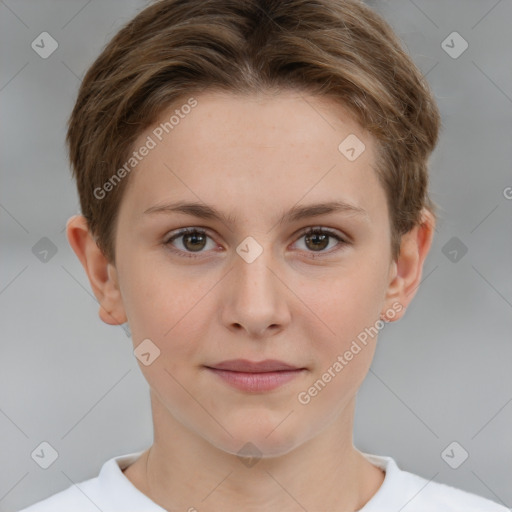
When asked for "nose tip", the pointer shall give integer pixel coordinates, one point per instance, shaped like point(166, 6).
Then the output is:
point(255, 302)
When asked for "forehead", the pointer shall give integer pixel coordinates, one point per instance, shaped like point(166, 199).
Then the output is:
point(256, 151)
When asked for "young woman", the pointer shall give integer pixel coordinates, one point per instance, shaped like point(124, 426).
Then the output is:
point(254, 191)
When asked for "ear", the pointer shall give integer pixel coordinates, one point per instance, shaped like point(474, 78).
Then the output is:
point(406, 270)
point(102, 274)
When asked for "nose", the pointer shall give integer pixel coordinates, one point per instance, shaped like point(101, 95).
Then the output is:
point(256, 297)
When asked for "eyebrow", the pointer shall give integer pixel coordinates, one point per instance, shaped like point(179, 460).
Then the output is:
point(204, 211)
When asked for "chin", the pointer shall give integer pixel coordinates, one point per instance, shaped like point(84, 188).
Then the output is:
point(260, 439)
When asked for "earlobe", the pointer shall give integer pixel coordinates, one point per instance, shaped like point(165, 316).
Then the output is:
point(407, 269)
point(102, 274)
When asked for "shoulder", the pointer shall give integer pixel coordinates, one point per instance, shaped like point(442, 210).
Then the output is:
point(409, 492)
point(438, 496)
point(79, 498)
point(110, 491)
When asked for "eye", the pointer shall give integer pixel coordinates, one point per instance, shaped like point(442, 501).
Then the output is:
point(192, 240)
point(318, 238)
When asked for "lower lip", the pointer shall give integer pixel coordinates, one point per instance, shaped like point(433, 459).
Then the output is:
point(257, 382)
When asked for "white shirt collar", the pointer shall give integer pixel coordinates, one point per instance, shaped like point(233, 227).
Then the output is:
point(112, 477)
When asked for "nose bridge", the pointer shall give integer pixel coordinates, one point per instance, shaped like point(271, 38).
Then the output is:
point(257, 298)
point(252, 270)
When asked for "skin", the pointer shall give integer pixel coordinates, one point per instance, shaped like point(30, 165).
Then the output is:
point(254, 157)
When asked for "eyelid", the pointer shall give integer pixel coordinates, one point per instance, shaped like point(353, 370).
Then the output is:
point(330, 231)
point(193, 229)
point(176, 233)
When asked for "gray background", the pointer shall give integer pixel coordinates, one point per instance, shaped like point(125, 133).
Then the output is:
point(440, 375)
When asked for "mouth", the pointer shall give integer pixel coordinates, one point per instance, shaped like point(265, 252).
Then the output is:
point(256, 377)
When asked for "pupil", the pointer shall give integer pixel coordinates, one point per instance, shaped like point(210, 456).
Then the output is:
point(316, 237)
point(194, 237)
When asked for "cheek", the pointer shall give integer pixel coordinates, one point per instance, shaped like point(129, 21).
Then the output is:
point(167, 307)
point(343, 353)
point(334, 387)
point(348, 302)
point(163, 308)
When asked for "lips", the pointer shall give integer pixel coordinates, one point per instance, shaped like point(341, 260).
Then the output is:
point(245, 366)
point(255, 377)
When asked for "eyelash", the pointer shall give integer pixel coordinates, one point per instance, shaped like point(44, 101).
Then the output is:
point(308, 231)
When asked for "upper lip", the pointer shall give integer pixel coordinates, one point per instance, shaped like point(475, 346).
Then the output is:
point(243, 365)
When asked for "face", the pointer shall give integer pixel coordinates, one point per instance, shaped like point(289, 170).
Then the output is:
point(253, 284)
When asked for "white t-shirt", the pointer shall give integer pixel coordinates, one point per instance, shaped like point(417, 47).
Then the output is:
point(401, 491)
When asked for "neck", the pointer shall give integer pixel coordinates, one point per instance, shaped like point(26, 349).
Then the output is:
point(183, 471)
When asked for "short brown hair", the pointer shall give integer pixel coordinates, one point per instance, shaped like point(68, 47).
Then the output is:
point(339, 49)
